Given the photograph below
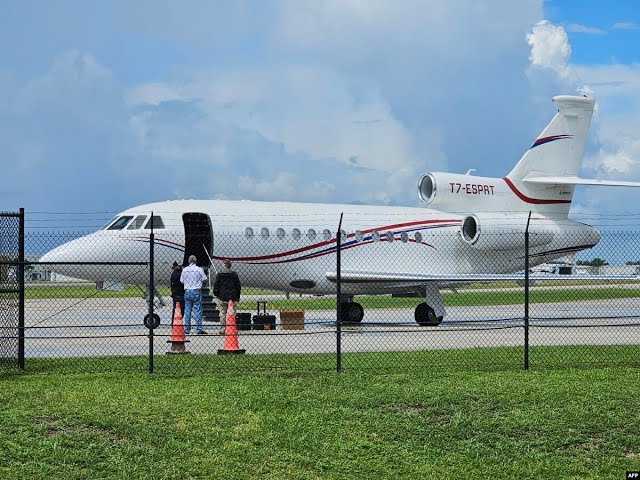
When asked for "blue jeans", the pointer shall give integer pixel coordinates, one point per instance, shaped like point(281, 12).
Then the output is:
point(192, 301)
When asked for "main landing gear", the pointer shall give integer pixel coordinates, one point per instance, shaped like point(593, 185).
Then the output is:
point(352, 312)
point(426, 316)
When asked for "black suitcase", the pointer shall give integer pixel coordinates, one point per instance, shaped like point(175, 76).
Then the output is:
point(262, 320)
point(243, 321)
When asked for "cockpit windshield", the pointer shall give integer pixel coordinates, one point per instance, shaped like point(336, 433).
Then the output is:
point(157, 223)
point(137, 222)
point(120, 223)
point(104, 227)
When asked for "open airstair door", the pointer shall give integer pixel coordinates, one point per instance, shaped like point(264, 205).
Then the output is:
point(197, 237)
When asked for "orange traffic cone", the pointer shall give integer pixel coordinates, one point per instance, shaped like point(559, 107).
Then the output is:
point(230, 333)
point(178, 338)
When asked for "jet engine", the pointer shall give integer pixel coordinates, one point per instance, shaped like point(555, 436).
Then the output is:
point(497, 231)
point(455, 193)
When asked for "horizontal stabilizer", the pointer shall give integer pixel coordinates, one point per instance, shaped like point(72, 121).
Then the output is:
point(579, 181)
point(358, 276)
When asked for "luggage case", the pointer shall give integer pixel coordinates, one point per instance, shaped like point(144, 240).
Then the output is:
point(243, 320)
point(262, 320)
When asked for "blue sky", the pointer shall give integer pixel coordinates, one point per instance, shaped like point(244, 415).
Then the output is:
point(598, 34)
point(106, 105)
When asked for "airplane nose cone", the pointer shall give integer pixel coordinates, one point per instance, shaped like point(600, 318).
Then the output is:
point(67, 252)
point(59, 258)
point(53, 255)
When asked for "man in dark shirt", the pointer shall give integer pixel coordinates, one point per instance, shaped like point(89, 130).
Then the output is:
point(226, 287)
point(177, 289)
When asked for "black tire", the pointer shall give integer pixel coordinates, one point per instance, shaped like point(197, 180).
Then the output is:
point(352, 312)
point(152, 321)
point(426, 316)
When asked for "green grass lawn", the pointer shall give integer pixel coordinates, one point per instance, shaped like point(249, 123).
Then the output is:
point(462, 298)
point(418, 423)
point(88, 290)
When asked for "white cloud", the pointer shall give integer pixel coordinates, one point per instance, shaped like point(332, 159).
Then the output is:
point(283, 187)
point(550, 48)
point(577, 28)
point(335, 101)
point(626, 26)
point(619, 162)
point(153, 94)
point(304, 109)
point(348, 75)
point(364, 31)
point(616, 125)
point(320, 114)
point(612, 80)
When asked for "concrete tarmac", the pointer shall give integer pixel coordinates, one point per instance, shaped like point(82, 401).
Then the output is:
point(106, 327)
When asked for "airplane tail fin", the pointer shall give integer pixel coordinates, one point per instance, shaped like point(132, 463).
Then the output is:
point(542, 181)
point(558, 150)
point(549, 169)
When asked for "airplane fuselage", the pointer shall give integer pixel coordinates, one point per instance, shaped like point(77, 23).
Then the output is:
point(290, 246)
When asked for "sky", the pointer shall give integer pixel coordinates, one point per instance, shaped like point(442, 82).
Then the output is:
point(110, 104)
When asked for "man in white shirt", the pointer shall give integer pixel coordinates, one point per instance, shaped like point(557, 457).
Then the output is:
point(192, 278)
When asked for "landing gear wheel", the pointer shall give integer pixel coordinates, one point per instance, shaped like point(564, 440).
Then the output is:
point(426, 316)
point(352, 312)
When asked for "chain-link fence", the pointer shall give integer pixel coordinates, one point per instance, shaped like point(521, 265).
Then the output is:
point(11, 320)
point(87, 299)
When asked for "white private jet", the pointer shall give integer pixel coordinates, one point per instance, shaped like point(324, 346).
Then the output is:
point(476, 233)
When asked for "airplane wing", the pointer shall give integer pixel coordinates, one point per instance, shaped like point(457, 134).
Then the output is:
point(580, 181)
point(361, 276)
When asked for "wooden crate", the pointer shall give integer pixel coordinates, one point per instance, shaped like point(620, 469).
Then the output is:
point(292, 319)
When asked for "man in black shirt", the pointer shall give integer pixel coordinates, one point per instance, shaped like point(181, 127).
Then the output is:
point(226, 287)
point(177, 289)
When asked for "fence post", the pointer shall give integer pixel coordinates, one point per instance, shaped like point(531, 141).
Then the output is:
point(21, 293)
point(151, 292)
point(338, 297)
point(526, 294)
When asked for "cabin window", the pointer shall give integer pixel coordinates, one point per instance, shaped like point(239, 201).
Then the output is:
point(120, 223)
point(404, 236)
point(359, 235)
point(156, 221)
point(295, 233)
point(343, 236)
point(389, 236)
point(108, 223)
point(375, 236)
point(280, 233)
point(311, 234)
point(418, 237)
point(248, 232)
point(264, 233)
point(326, 234)
point(137, 222)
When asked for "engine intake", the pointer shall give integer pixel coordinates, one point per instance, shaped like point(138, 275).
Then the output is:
point(427, 188)
point(505, 232)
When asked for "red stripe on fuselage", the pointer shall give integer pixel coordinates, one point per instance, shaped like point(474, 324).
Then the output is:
point(333, 240)
point(526, 199)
